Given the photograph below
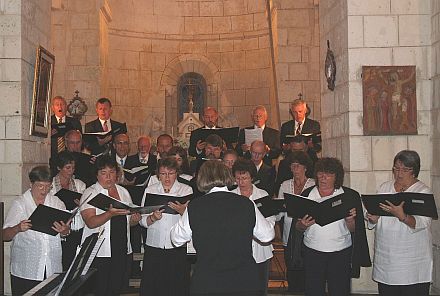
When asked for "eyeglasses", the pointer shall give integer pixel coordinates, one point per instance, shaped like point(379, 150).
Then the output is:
point(402, 170)
point(46, 187)
point(164, 175)
point(246, 178)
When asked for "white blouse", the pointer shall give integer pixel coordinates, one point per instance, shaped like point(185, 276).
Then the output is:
point(158, 233)
point(154, 179)
point(332, 237)
point(288, 187)
point(402, 255)
point(89, 193)
point(181, 232)
point(77, 221)
point(260, 251)
point(33, 252)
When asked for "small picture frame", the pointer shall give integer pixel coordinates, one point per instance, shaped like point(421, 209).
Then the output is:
point(43, 77)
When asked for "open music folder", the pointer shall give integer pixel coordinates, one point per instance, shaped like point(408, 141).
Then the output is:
point(161, 201)
point(325, 212)
point(419, 204)
point(68, 197)
point(43, 217)
point(103, 202)
point(269, 206)
point(229, 134)
point(119, 130)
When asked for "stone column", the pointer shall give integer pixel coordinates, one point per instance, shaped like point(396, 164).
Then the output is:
point(373, 33)
point(23, 26)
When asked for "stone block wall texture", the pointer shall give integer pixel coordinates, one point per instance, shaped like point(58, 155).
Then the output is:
point(435, 130)
point(378, 32)
point(23, 26)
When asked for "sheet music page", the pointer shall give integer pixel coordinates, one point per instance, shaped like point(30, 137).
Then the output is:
point(251, 135)
point(190, 248)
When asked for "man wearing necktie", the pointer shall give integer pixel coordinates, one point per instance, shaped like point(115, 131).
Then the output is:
point(102, 124)
point(271, 137)
point(196, 145)
point(301, 125)
point(59, 117)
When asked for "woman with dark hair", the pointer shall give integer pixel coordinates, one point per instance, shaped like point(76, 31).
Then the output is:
point(331, 253)
point(403, 246)
point(112, 258)
point(181, 157)
point(165, 267)
point(245, 172)
point(300, 165)
point(65, 164)
point(223, 225)
point(35, 256)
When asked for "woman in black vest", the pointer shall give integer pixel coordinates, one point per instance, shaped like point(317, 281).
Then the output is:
point(222, 227)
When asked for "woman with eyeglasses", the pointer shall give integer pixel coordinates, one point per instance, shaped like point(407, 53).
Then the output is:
point(165, 268)
point(403, 247)
point(64, 179)
point(244, 172)
point(113, 256)
point(35, 256)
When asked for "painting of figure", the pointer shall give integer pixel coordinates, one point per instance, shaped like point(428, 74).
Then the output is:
point(389, 100)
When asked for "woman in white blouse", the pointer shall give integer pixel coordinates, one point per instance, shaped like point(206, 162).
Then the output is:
point(165, 268)
point(34, 255)
point(112, 258)
point(65, 163)
point(300, 165)
point(244, 172)
point(403, 246)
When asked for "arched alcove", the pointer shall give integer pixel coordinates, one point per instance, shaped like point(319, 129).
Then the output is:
point(191, 86)
point(198, 66)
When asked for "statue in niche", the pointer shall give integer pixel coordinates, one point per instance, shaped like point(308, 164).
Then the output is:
point(389, 99)
point(191, 94)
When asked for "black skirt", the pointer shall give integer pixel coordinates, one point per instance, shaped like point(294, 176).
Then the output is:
point(165, 272)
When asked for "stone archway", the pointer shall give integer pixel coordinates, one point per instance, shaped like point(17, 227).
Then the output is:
point(190, 63)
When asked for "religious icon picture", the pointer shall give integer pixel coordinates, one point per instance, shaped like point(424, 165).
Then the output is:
point(389, 100)
point(43, 77)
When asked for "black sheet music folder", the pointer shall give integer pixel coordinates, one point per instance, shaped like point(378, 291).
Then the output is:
point(68, 197)
point(326, 212)
point(103, 202)
point(161, 201)
point(419, 204)
point(43, 217)
point(269, 206)
point(229, 134)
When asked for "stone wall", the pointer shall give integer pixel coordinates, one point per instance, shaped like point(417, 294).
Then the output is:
point(80, 44)
point(298, 55)
point(379, 32)
point(23, 26)
point(435, 126)
point(152, 43)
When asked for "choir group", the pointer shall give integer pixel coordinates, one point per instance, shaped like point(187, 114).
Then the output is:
point(211, 237)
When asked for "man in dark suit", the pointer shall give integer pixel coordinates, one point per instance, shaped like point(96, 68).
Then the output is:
point(84, 168)
point(196, 145)
point(301, 125)
point(142, 158)
point(59, 110)
point(271, 137)
point(102, 124)
point(265, 174)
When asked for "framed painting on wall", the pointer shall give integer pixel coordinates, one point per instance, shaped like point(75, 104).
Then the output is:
point(43, 77)
point(389, 100)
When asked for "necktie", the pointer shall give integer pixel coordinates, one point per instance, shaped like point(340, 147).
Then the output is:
point(61, 146)
point(122, 162)
point(143, 160)
point(105, 126)
point(298, 129)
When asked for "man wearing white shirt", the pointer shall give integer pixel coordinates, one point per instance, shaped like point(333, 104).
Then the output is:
point(270, 136)
point(196, 146)
point(59, 110)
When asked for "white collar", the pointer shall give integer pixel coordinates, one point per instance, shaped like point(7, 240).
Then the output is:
point(217, 189)
point(262, 128)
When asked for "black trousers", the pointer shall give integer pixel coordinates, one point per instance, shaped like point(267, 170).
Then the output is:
point(421, 289)
point(20, 285)
point(332, 268)
point(69, 247)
